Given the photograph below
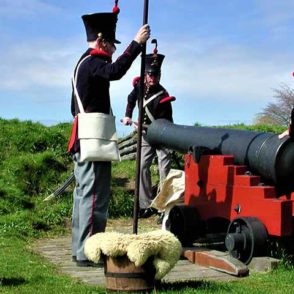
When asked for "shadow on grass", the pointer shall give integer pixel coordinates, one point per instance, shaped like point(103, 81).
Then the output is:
point(120, 182)
point(184, 285)
point(11, 281)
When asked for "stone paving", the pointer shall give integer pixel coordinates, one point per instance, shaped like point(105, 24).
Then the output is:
point(58, 251)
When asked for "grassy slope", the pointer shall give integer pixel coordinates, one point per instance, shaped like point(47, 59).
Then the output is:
point(33, 162)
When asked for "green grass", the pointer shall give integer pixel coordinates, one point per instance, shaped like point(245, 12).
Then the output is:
point(278, 281)
point(22, 271)
point(33, 163)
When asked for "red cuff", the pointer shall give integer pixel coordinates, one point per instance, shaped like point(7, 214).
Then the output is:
point(167, 99)
point(136, 80)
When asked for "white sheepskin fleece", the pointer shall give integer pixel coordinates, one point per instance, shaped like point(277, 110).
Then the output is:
point(162, 245)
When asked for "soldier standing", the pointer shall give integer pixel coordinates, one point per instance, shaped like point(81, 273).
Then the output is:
point(92, 191)
point(157, 104)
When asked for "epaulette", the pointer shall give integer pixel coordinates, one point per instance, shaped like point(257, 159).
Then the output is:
point(97, 52)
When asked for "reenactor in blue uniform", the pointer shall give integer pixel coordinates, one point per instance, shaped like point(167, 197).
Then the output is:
point(156, 104)
point(92, 191)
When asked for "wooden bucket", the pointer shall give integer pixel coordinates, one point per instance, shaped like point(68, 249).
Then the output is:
point(122, 275)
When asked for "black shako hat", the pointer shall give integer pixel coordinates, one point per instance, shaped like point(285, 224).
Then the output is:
point(153, 63)
point(101, 25)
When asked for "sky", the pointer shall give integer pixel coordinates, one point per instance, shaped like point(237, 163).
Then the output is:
point(223, 59)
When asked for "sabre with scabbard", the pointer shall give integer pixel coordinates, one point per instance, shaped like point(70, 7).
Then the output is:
point(61, 189)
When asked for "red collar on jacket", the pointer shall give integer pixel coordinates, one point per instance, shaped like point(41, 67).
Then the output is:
point(102, 53)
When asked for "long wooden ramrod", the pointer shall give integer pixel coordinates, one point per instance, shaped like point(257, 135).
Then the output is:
point(140, 122)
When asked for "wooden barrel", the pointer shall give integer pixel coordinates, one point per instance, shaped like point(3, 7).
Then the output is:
point(122, 275)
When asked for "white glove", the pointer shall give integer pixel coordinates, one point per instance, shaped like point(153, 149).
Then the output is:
point(284, 134)
point(143, 34)
point(127, 121)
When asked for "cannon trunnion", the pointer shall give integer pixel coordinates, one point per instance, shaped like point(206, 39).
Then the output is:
point(237, 182)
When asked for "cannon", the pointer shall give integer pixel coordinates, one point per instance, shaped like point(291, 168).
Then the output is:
point(238, 183)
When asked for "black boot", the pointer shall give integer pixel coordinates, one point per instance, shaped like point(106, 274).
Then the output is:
point(145, 213)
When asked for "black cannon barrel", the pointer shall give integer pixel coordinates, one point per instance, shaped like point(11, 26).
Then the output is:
point(263, 153)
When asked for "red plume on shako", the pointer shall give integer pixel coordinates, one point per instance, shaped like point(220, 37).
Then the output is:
point(115, 8)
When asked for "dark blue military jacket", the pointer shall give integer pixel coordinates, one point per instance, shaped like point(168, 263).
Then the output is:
point(160, 107)
point(95, 74)
point(93, 81)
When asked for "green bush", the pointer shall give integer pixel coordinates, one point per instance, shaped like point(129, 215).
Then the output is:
point(258, 128)
point(121, 203)
point(12, 199)
point(123, 189)
point(32, 161)
point(36, 172)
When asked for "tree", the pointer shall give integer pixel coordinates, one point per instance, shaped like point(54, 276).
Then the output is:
point(278, 113)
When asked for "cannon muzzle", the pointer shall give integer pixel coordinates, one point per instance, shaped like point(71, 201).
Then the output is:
point(263, 153)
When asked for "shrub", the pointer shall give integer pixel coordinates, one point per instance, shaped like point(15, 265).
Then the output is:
point(121, 203)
